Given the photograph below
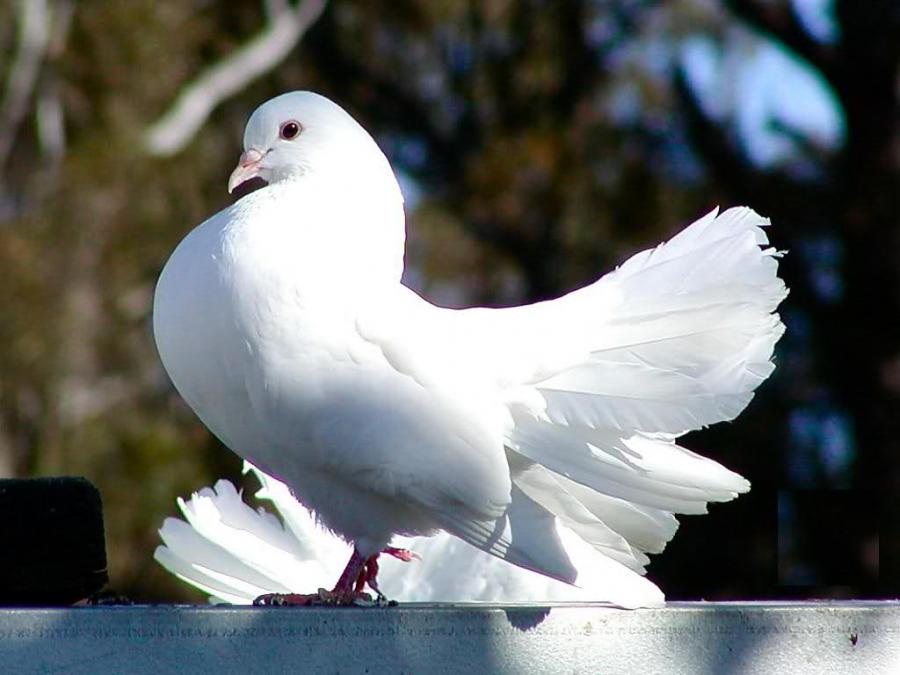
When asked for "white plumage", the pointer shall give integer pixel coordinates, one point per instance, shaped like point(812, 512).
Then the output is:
point(282, 322)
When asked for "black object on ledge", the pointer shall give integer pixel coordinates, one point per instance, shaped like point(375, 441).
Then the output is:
point(52, 544)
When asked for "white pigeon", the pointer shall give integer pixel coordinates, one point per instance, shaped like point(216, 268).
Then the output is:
point(235, 553)
point(283, 323)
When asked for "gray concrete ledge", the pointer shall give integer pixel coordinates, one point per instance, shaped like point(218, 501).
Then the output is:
point(770, 638)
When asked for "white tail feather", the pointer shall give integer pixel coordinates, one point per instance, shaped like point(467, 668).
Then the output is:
point(675, 339)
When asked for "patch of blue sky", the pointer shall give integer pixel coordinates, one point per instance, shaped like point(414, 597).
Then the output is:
point(817, 17)
point(769, 96)
point(823, 448)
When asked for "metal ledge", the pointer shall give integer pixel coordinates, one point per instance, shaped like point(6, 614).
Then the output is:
point(760, 637)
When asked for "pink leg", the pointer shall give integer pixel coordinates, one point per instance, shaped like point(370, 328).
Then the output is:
point(353, 572)
point(371, 572)
point(361, 571)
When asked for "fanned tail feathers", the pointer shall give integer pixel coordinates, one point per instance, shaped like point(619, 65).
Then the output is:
point(685, 334)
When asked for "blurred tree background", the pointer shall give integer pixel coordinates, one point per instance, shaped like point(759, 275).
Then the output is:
point(539, 144)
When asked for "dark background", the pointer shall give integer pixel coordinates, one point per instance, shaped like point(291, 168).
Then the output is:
point(539, 144)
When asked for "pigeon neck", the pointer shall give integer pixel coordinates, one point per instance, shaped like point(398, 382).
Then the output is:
point(349, 223)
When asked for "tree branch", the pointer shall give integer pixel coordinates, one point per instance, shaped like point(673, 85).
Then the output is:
point(34, 32)
point(49, 110)
point(286, 26)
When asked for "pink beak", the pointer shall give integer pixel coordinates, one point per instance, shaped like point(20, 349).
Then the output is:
point(247, 168)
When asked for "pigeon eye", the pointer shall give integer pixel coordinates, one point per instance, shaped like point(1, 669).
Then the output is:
point(289, 130)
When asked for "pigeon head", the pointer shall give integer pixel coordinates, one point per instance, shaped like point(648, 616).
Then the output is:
point(302, 132)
